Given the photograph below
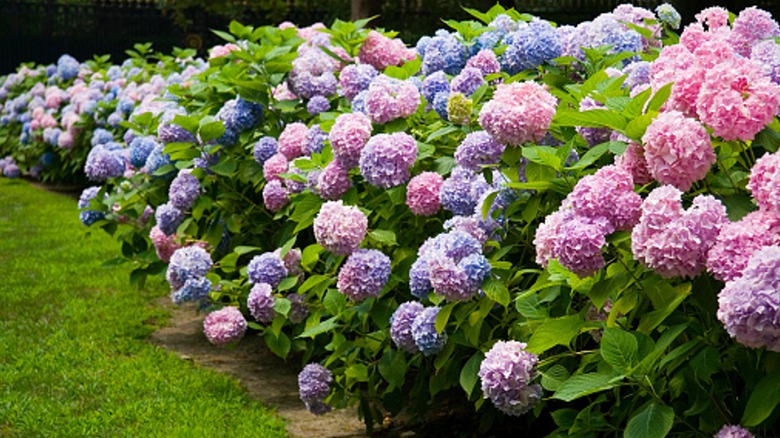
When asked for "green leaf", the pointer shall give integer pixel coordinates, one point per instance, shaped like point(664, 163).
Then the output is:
point(544, 155)
point(591, 156)
point(334, 302)
point(653, 421)
point(469, 374)
point(282, 306)
point(596, 118)
point(659, 98)
point(585, 384)
point(189, 123)
point(312, 281)
point(358, 372)
point(311, 255)
point(279, 345)
point(619, 349)
point(211, 130)
point(241, 249)
point(763, 400)
point(553, 377)
point(557, 331)
point(287, 246)
point(497, 291)
point(636, 128)
point(443, 317)
point(385, 237)
point(226, 167)
point(322, 327)
point(287, 284)
point(392, 366)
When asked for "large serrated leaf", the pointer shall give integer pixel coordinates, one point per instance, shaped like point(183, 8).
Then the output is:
point(653, 421)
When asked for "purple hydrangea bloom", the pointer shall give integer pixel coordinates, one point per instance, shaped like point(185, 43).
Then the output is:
point(11, 171)
point(313, 387)
point(333, 181)
point(239, 115)
point(478, 149)
point(364, 274)
point(275, 195)
point(339, 228)
point(355, 78)
point(299, 310)
point(434, 84)
point(317, 104)
point(732, 431)
point(194, 289)
point(101, 136)
point(359, 103)
point(427, 339)
point(187, 262)
point(102, 164)
point(184, 190)
point(387, 159)
point(419, 279)
point(292, 260)
point(449, 280)
point(456, 192)
point(88, 216)
point(169, 132)
point(307, 85)
point(224, 326)
point(506, 374)
point(530, 46)
point(315, 140)
point(261, 302)
point(264, 149)
point(467, 81)
point(266, 268)
point(401, 325)
point(638, 74)
point(749, 306)
point(140, 149)
point(168, 218)
point(580, 240)
point(767, 53)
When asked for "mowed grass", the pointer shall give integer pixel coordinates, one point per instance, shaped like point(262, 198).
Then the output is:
point(73, 355)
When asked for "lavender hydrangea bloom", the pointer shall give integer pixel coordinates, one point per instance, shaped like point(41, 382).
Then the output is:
point(224, 326)
point(387, 159)
point(101, 136)
point(449, 280)
point(168, 218)
point(419, 279)
point(340, 229)
point(261, 303)
point(478, 149)
point(275, 195)
point(440, 102)
point(264, 149)
point(477, 269)
point(187, 262)
point(733, 431)
point(456, 194)
point(530, 46)
point(67, 67)
point(266, 268)
point(88, 216)
point(364, 274)
point(313, 387)
point(427, 339)
point(355, 78)
point(317, 104)
point(315, 140)
point(442, 52)
point(434, 84)
point(102, 164)
point(333, 181)
point(749, 307)
point(299, 310)
point(184, 190)
point(389, 99)
point(506, 374)
point(401, 325)
point(140, 149)
point(306, 85)
point(359, 103)
point(194, 289)
point(156, 160)
point(468, 81)
point(169, 132)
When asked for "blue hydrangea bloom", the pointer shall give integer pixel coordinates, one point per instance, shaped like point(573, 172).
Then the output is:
point(434, 84)
point(194, 289)
point(265, 148)
point(266, 268)
point(101, 136)
point(156, 160)
point(125, 106)
point(315, 140)
point(401, 325)
point(457, 193)
point(238, 115)
point(103, 163)
point(530, 46)
point(313, 387)
point(443, 52)
point(419, 280)
point(359, 102)
point(67, 67)
point(477, 269)
point(440, 104)
point(427, 339)
point(187, 263)
point(184, 190)
point(88, 216)
point(140, 149)
point(168, 218)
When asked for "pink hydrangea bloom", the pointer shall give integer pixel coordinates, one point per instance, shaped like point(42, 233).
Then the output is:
point(333, 181)
point(672, 241)
point(220, 51)
point(751, 26)
point(381, 52)
point(164, 245)
point(736, 100)
point(389, 99)
point(713, 17)
point(579, 243)
point(283, 92)
point(678, 150)
point(506, 374)
point(339, 228)
point(348, 136)
point(485, 61)
point(275, 195)
point(519, 112)
point(292, 141)
point(749, 307)
point(609, 194)
point(633, 160)
point(275, 166)
point(422, 193)
point(737, 241)
point(677, 65)
point(764, 182)
point(224, 326)
point(547, 233)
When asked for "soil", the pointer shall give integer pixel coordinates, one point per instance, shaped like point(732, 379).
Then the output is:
point(265, 377)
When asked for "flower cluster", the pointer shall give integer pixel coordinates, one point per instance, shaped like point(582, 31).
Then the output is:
point(89, 216)
point(333, 181)
point(186, 274)
point(364, 274)
point(381, 52)
point(348, 136)
point(313, 387)
point(168, 218)
point(533, 44)
point(733, 431)
point(387, 159)
point(355, 78)
point(266, 268)
point(261, 303)
point(164, 245)
point(224, 326)
point(749, 306)
point(339, 228)
point(422, 193)
point(674, 242)
point(764, 182)
point(184, 190)
point(519, 112)
point(427, 339)
point(401, 325)
point(737, 241)
point(389, 99)
point(506, 374)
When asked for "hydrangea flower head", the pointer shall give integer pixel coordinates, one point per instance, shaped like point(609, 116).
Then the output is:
point(737, 241)
point(140, 148)
point(103, 163)
point(478, 149)
point(355, 78)
point(422, 193)
point(387, 159)
point(401, 325)
point(224, 326)
point(449, 280)
point(339, 228)
point(265, 148)
point(519, 112)
point(485, 61)
point(442, 52)
point(317, 105)
point(381, 52)
point(424, 333)
point(275, 166)
point(275, 195)
point(292, 141)
point(364, 274)
point(733, 431)
point(633, 160)
point(506, 374)
point(266, 268)
point(194, 289)
point(751, 26)
point(168, 218)
point(333, 182)
point(749, 306)
point(459, 109)
point(467, 81)
point(188, 262)
point(668, 15)
point(299, 310)
point(764, 182)
point(530, 46)
point(767, 53)
point(313, 387)
point(348, 136)
point(434, 84)
point(261, 302)
point(389, 99)
point(609, 194)
point(457, 194)
point(678, 150)
point(164, 245)
point(184, 190)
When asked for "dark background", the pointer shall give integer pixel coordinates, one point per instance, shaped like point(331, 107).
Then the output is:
point(41, 30)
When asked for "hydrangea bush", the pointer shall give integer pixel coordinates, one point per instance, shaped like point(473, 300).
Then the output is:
point(573, 228)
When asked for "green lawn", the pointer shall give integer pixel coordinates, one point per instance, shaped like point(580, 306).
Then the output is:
point(73, 355)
